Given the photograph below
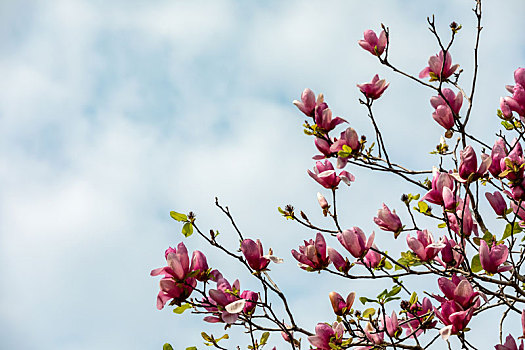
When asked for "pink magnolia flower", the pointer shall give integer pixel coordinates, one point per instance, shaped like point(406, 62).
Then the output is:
point(424, 246)
point(324, 147)
point(253, 252)
point(388, 221)
point(510, 344)
point(459, 290)
point(372, 258)
point(454, 317)
point(339, 305)
point(323, 203)
point(373, 44)
point(516, 103)
point(439, 182)
point(307, 103)
point(348, 138)
point(499, 151)
point(323, 117)
point(466, 225)
point(340, 263)
point(512, 165)
point(417, 315)
point(497, 202)
point(312, 256)
point(375, 88)
point(326, 334)
point(451, 253)
point(324, 174)
point(227, 302)
point(374, 335)
point(391, 325)
point(468, 165)
point(199, 263)
point(354, 240)
point(437, 64)
point(251, 301)
point(492, 258)
point(443, 114)
point(175, 285)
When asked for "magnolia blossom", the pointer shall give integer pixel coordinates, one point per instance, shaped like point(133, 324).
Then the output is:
point(324, 174)
point(497, 202)
point(372, 258)
point(175, 284)
point(492, 258)
point(324, 147)
point(326, 334)
point(375, 88)
point(374, 335)
point(454, 317)
point(226, 302)
point(354, 240)
point(468, 165)
point(307, 103)
point(451, 253)
point(391, 325)
point(418, 318)
point(323, 117)
point(253, 252)
point(373, 44)
point(466, 225)
point(388, 221)
point(312, 256)
point(339, 305)
point(340, 263)
point(350, 139)
point(516, 103)
point(458, 289)
point(510, 344)
point(439, 67)
point(512, 165)
point(440, 181)
point(424, 246)
point(445, 109)
point(499, 151)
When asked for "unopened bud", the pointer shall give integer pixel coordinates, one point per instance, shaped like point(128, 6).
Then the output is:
point(322, 201)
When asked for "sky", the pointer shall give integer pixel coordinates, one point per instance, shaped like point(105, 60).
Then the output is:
point(112, 114)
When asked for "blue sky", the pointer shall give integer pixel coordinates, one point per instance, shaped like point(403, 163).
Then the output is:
point(113, 114)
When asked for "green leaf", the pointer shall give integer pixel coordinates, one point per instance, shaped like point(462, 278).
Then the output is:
point(507, 125)
point(226, 336)
point(364, 300)
point(178, 216)
point(388, 265)
point(442, 225)
point(508, 231)
point(382, 294)
point(167, 347)
point(394, 291)
point(369, 312)
point(179, 310)
point(475, 264)
point(192, 348)
point(187, 229)
point(413, 298)
point(205, 336)
point(422, 206)
point(264, 338)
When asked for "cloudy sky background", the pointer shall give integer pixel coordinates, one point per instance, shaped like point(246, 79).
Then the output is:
point(111, 115)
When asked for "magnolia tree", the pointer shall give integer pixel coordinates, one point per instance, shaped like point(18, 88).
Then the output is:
point(474, 269)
